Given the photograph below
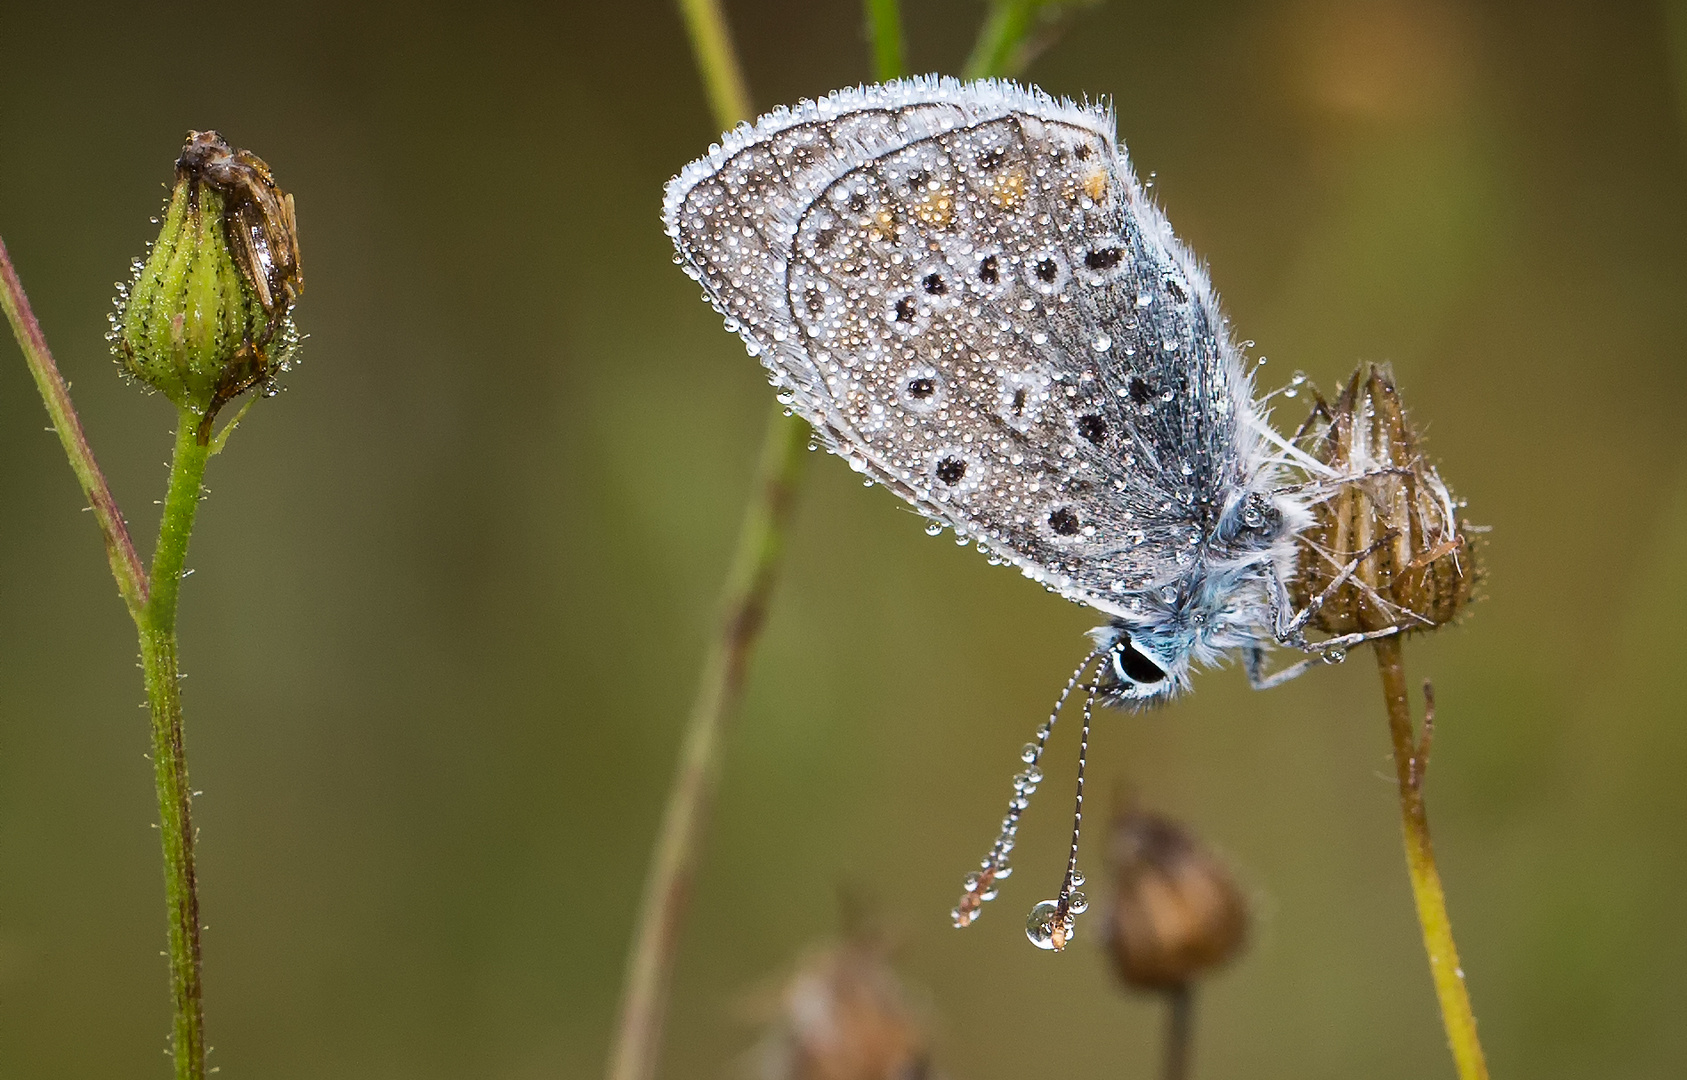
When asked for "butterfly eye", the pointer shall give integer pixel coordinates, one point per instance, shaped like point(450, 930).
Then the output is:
point(1132, 666)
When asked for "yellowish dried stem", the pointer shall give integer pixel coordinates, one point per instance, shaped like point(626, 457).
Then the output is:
point(1411, 758)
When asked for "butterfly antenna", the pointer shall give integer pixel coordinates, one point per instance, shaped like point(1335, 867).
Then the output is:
point(981, 884)
point(1072, 902)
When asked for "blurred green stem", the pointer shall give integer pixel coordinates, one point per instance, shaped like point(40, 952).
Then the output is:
point(119, 549)
point(749, 587)
point(152, 604)
point(1004, 28)
point(717, 61)
point(1180, 1029)
point(884, 26)
point(1411, 760)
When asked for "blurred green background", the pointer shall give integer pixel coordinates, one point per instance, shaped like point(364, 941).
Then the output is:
point(453, 586)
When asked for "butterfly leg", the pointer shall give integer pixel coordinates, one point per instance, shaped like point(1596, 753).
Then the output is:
point(1254, 663)
point(1287, 627)
point(1340, 481)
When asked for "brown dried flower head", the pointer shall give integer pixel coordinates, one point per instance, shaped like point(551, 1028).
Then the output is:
point(1378, 490)
point(844, 1015)
point(1177, 911)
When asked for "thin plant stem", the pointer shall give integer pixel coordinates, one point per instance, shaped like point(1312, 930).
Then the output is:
point(1004, 28)
point(884, 27)
point(1180, 1030)
point(1411, 760)
point(119, 549)
point(749, 587)
point(673, 865)
point(169, 759)
point(717, 61)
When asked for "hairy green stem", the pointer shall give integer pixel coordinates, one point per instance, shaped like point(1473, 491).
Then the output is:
point(119, 549)
point(1411, 760)
point(884, 28)
point(169, 759)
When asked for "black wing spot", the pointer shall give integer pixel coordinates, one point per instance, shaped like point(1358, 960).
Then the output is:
point(990, 270)
point(1139, 389)
point(825, 238)
point(1047, 269)
point(921, 388)
point(1092, 427)
point(1064, 521)
point(905, 310)
point(1104, 258)
point(950, 470)
point(858, 201)
point(1019, 401)
point(935, 285)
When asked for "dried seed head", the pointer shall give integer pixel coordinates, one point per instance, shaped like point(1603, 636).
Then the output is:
point(1176, 912)
point(1376, 485)
point(208, 314)
point(844, 1015)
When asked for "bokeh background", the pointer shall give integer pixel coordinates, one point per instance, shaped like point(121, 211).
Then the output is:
point(453, 586)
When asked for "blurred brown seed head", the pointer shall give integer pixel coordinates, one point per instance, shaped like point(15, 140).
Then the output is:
point(844, 1015)
point(1176, 912)
point(1423, 575)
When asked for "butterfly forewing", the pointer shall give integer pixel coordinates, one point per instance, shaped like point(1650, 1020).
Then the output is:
point(971, 299)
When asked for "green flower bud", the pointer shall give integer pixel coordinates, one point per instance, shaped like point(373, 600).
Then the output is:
point(208, 315)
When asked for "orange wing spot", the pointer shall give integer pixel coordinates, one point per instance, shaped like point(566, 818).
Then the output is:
point(936, 209)
point(1095, 183)
point(1007, 190)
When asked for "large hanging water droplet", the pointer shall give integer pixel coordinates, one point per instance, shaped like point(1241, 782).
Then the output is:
point(1078, 902)
point(1029, 753)
point(1040, 926)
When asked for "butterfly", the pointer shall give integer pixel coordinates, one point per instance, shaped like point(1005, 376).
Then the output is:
point(967, 293)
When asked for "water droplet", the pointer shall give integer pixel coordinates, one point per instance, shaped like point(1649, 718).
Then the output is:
point(970, 882)
point(1077, 879)
point(1078, 902)
point(1101, 343)
point(1040, 926)
point(1028, 753)
point(934, 529)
